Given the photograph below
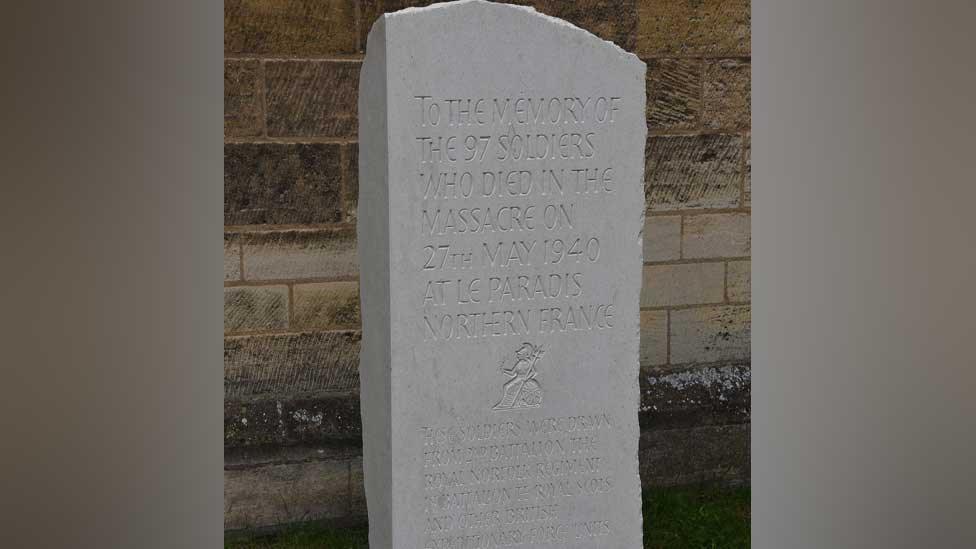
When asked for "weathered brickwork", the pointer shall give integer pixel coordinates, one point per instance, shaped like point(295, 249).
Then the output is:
point(326, 306)
point(684, 398)
point(292, 420)
point(683, 284)
point(654, 338)
point(291, 363)
point(312, 98)
point(243, 98)
point(249, 308)
point(662, 238)
point(232, 257)
point(727, 94)
point(292, 320)
point(716, 235)
point(285, 493)
point(301, 254)
point(357, 503)
point(693, 28)
point(673, 457)
point(350, 170)
point(279, 183)
point(289, 27)
point(674, 94)
point(710, 334)
point(684, 172)
point(739, 284)
point(747, 176)
point(613, 20)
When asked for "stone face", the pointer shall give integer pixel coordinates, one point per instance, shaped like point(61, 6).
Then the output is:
point(717, 235)
point(289, 27)
point(500, 277)
point(693, 172)
point(248, 308)
point(710, 334)
point(684, 284)
point(674, 91)
point(727, 94)
point(693, 27)
point(278, 183)
point(243, 116)
point(311, 98)
point(300, 254)
point(662, 238)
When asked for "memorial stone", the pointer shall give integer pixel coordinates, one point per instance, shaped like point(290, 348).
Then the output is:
point(500, 234)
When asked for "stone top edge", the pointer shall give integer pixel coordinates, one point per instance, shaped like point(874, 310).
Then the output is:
point(498, 5)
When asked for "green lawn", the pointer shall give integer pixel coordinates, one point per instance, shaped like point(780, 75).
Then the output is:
point(686, 518)
point(674, 518)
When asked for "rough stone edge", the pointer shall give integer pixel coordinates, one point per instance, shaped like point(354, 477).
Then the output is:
point(411, 11)
point(373, 229)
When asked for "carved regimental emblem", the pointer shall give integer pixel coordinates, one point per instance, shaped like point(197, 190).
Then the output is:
point(522, 390)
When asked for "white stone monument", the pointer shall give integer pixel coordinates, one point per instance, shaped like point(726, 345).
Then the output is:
point(500, 215)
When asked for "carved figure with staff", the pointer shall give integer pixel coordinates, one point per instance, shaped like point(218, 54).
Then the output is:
point(522, 390)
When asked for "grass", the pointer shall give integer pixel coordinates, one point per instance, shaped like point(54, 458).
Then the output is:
point(304, 537)
point(686, 518)
point(674, 518)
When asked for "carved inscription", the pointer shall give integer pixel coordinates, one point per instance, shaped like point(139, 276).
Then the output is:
point(505, 184)
point(515, 483)
point(504, 249)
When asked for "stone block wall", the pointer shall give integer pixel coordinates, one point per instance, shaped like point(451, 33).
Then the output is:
point(292, 434)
